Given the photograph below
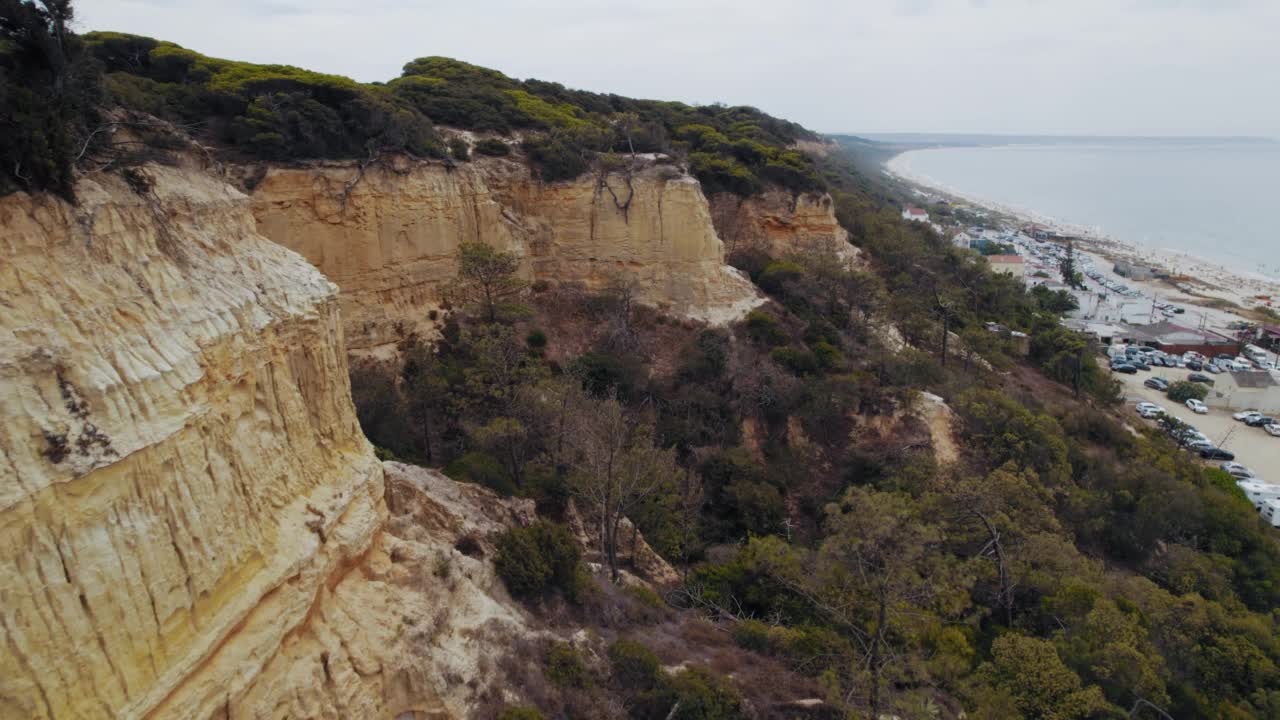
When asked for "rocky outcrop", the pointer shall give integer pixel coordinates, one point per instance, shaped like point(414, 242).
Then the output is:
point(191, 523)
point(779, 222)
point(389, 238)
point(415, 629)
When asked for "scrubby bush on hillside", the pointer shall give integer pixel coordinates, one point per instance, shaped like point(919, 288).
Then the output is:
point(493, 147)
point(634, 666)
point(536, 560)
point(566, 668)
point(556, 158)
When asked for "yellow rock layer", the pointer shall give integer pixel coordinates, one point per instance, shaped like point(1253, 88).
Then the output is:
point(389, 239)
point(181, 471)
point(779, 222)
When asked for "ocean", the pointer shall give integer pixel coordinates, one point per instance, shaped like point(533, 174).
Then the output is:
point(1215, 201)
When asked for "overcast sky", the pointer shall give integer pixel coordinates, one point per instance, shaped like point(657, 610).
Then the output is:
point(1143, 67)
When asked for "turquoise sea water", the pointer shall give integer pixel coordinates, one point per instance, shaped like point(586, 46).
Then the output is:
point(1220, 202)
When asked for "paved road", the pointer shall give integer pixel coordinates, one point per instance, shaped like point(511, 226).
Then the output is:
point(1252, 446)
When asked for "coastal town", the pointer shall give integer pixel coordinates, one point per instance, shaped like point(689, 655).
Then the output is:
point(1155, 330)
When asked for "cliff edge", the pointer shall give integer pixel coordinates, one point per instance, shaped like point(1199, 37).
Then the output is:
point(190, 517)
point(388, 236)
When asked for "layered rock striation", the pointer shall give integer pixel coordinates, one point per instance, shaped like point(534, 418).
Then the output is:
point(388, 236)
point(191, 523)
point(778, 222)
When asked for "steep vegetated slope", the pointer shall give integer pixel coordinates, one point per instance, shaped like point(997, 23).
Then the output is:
point(195, 520)
point(583, 187)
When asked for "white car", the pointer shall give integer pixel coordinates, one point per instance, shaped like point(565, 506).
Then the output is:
point(1197, 407)
point(1150, 410)
point(1273, 429)
point(1245, 415)
point(1237, 470)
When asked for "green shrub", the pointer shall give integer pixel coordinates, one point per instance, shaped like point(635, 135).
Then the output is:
point(536, 340)
point(647, 596)
point(520, 713)
point(565, 667)
point(481, 468)
point(797, 360)
point(537, 560)
point(764, 329)
point(778, 274)
point(704, 695)
point(723, 174)
point(1182, 391)
point(458, 149)
point(752, 635)
point(493, 147)
point(828, 356)
point(605, 372)
point(634, 666)
point(555, 158)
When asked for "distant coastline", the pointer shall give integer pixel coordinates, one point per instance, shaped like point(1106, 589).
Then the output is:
point(1212, 278)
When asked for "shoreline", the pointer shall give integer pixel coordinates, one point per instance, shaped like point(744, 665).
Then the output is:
point(1202, 280)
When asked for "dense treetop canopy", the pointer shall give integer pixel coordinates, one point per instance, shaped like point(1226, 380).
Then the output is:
point(284, 113)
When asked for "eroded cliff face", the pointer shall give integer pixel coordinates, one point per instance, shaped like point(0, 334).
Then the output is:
point(779, 222)
point(191, 523)
point(390, 239)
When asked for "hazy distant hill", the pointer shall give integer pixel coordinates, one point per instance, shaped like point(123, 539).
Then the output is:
point(955, 139)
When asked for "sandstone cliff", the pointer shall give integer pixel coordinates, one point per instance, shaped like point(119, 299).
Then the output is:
point(779, 222)
point(191, 523)
point(389, 240)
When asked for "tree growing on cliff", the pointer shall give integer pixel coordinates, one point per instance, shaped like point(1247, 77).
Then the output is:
point(616, 466)
point(487, 281)
point(48, 97)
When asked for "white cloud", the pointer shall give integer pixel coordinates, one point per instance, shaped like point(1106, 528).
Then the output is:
point(1052, 66)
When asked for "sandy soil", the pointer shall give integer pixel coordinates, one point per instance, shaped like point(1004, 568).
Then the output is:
point(1253, 446)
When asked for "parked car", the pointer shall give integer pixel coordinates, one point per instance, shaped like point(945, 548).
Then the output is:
point(1198, 378)
point(1140, 364)
point(1260, 420)
point(1149, 410)
point(1188, 436)
point(1273, 429)
point(1236, 469)
point(1195, 365)
point(1157, 383)
point(1197, 407)
point(1213, 369)
point(1217, 453)
point(1245, 415)
point(1125, 368)
point(1201, 445)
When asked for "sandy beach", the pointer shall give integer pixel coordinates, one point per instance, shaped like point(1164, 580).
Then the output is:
point(1194, 280)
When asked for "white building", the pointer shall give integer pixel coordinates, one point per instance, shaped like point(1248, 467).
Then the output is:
point(915, 214)
point(1009, 265)
point(961, 240)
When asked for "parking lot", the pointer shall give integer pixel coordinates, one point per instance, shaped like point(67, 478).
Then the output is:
point(1253, 446)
